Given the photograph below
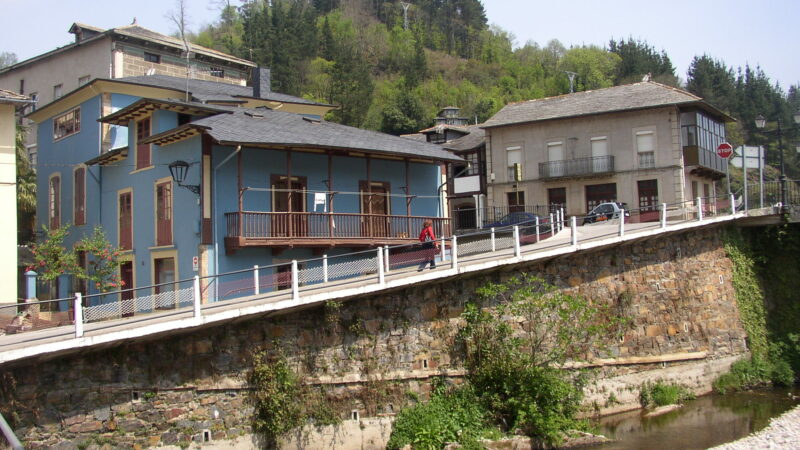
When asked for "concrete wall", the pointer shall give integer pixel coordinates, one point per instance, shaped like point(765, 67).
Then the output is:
point(8, 204)
point(374, 350)
point(576, 134)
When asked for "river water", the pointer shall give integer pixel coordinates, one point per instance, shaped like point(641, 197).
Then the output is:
point(705, 422)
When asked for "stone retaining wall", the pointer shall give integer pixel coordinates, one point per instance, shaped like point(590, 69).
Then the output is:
point(377, 352)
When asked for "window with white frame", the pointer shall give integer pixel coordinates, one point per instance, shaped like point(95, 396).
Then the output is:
point(599, 154)
point(513, 156)
point(67, 124)
point(646, 149)
point(83, 80)
point(555, 156)
point(58, 90)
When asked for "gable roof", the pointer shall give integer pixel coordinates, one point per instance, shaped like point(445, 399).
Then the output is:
point(629, 97)
point(268, 128)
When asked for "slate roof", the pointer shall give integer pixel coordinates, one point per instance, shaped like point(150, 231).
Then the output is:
point(213, 90)
point(629, 97)
point(13, 97)
point(474, 139)
point(265, 127)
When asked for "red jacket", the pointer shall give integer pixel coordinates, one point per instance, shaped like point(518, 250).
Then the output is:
point(427, 231)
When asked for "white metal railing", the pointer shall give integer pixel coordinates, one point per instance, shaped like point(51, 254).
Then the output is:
point(333, 272)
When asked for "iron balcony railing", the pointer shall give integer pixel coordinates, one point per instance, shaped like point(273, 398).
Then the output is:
point(577, 167)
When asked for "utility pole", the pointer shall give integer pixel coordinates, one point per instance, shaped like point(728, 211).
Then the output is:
point(571, 76)
point(405, 14)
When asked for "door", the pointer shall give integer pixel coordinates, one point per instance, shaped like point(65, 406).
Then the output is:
point(126, 295)
point(289, 197)
point(648, 200)
point(600, 193)
point(375, 207)
point(164, 269)
point(557, 198)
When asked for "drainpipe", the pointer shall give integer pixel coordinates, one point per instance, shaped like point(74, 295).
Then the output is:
point(214, 216)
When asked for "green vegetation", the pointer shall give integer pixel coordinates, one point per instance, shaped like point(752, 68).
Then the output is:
point(515, 338)
point(662, 394)
point(451, 415)
point(764, 273)
point(281, 401)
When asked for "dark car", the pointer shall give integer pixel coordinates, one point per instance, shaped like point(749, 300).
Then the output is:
point(525, 219)
point(606, 211)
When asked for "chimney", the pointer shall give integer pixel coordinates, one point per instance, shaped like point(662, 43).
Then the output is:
point(261, 82)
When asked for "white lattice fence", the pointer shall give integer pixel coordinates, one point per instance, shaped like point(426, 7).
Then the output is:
point(144, 304)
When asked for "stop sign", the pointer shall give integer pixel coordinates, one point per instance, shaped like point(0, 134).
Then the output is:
point(724, 150)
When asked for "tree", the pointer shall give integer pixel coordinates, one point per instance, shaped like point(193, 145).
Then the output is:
point(595, 67)
point(638, 58)
point(26, 190)
point(7, 59)
point(712, 80)
point(52, 258)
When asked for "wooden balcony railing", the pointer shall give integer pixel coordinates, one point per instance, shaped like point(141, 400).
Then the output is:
point(248, 228)
point(577, 167)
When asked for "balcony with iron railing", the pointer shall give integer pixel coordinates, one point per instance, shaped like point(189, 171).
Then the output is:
point(318, 229)
point(579, 167)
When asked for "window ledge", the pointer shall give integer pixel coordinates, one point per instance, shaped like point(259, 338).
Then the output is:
point(162, 247)
point(141, 170)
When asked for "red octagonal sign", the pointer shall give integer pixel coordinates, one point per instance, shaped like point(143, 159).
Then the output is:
point(724, 150)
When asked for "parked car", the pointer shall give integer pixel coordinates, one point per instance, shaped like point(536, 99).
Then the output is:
point(525, 219)
point(606, 211)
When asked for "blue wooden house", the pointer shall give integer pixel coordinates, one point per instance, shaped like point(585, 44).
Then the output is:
point(219, 177)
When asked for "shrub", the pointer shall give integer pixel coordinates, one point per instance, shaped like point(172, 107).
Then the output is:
point(451, 415)
point(661, 394)
point(753, 372)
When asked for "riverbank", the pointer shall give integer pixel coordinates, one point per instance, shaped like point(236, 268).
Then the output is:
point(783, 432)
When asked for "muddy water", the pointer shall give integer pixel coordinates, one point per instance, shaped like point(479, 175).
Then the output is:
point(701, 423)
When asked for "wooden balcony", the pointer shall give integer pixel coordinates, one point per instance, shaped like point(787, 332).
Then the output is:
point(308, 229)
point(580, 167)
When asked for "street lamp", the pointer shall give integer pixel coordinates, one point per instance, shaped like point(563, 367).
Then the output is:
point(178, 170)
point(761, 122)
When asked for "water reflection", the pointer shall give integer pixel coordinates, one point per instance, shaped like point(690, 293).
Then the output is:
point(701, 423)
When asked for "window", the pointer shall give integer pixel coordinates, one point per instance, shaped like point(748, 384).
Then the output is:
point(67, 124)
point(79, 196)
point(599, 154)
point(142, 150)
point(513, 156)
point(648, 195)
point(35, 99)
point(645, 147)
point(125, 214)
point(152, 58)
point(83, 80)
point(164, 213)
point(54, 202)
point(58, 91)
point(164, 269)
point(555, 153)
point(600, 193)
point(217, 72)
point(516, 201)
point(473, 167)
point(22, 86)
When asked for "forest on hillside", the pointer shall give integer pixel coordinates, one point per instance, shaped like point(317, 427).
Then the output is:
point(392, 70)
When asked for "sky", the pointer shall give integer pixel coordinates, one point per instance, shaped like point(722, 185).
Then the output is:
point(760, 33)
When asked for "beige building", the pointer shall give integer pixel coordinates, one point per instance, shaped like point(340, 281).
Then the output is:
point(125, 51)
point(9, 102)
point(643, 144)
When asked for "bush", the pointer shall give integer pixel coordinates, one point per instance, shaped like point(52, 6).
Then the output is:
point(661, 394)
point(451, 415)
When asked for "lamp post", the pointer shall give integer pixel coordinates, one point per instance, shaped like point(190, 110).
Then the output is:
point(178, 170)
point(761, 122)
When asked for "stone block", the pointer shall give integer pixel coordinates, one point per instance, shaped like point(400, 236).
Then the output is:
point(653, 330)
point(86, 427)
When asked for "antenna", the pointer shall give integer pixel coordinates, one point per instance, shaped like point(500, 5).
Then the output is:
point(405, 14)
point(571, 76)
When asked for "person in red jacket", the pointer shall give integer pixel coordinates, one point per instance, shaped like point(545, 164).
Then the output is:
point(429, 245)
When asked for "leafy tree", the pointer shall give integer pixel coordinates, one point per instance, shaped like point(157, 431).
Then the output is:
point(7, 59)
point(51, 257)
point(26, 189)
point(595, 67)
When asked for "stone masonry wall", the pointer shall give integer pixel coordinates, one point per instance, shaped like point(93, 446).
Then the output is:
point(135, 65)
point(374, 352)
